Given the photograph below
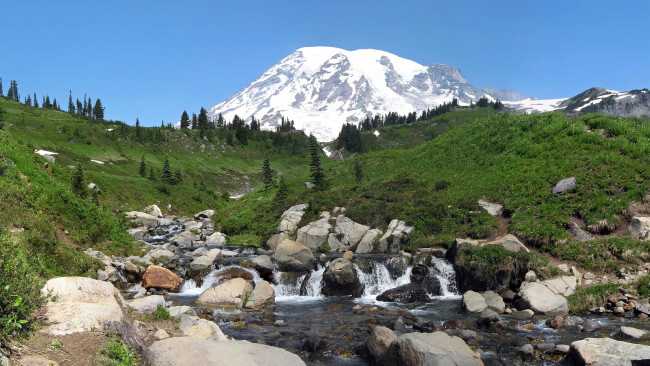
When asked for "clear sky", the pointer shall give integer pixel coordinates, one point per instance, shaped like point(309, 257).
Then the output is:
point(153, 59)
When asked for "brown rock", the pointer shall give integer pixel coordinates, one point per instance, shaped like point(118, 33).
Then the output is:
point(455, 324)
point(348, 255)
point(555, 322)
point(161, 278)
point(230, 273)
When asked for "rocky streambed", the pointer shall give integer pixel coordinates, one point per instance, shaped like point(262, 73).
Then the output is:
point(344, 308)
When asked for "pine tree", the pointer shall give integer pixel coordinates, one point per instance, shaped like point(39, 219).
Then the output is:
point(89, 110)
point(317, 174)
point(35, 101)
point(78, 182)
point(70, 104)
point(54, 104)
point(194, 122)
point(143, 168)
point(28, 101)
point(152, 176)
point(178, 177)
point(166, 172)
point(185, 120)
point(203, 119)
point(358, 172)
point(138, 133)
point(98, 110)
point(1, 94)
point(79, 107)
point(220, 122)
point(267, 172)
point(85, 107)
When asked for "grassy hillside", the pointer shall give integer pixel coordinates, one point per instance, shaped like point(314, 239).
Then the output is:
point(211, 168)
point(511, 159)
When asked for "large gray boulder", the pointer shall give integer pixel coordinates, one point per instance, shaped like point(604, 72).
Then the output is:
point(292, 256)
point(579, 234)
point(263, 295)
point(379, 341)
point(276, 239)
point(203, 329)
point(216, 239)
point(348, 233)
point(232, 293)
point(147, 304)
point(200, 267)
point(184, 351)
point(473, 302)
point(291, 217)
point(153, 210)
point(263, 265)
point(510, 242)
point(564, 185)
point(314, 234)
point(640, 227)
point(494, 301)
point(431, 349)
point(608, 352)
point(206, 214)
point(493, 209)
point(367, 243)
point(548, 297)
point(340, 279)
point(396, 234)
point(142, 219)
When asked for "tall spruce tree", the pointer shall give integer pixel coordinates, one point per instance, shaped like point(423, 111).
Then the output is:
point(77, 183)
point(143, 168)
point(281, 195)
point(315, 168)
point(98, 109)
point(70, 104)
point(167, 172)
point(194, 122)
point(185, 120)
point(138, 133)
point(267, 172)
point(35, 101)
point(203, 119)
point(1, 94)
point(178, 177)
point(152, 175)
point(79, 107)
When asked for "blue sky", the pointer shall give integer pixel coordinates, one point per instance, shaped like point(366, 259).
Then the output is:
point(153, 59)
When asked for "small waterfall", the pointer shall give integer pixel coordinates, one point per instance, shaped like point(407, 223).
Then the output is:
point(290, 288)
point(380, 280)
point(445, 273)
point(189, 287)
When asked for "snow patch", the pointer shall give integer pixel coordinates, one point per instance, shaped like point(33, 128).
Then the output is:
point(97, 161)
point(535, 105)
point(376, 133)
point(45, 152)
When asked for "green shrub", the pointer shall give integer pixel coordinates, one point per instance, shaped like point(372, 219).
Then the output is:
point(121, 353)
point(643, 286)
point(161, 313)
point(585, 298)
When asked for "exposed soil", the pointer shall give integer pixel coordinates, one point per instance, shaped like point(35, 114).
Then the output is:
point(70, 350)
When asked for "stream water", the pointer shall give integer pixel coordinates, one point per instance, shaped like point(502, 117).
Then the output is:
point(304, 316)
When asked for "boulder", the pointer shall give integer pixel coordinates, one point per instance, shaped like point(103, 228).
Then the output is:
point(153, 210)
point(291, 217)
point(589, 326)
point(108, 274)
point(494, 301)
point(640, 227)
point(422, 275)
point(205, 329)
point(184, 239)
point(263, 295)
point(216, 239)
point(292, 256)
point(493, 209)
point(459, 245)
point(473, 302)
point(230, 293)
point(142, 219)
point(199, 268)
point(233, 272)
point(191, 225)
point(367, 243)
point(486, 318)
point(510, 242)
point(204, 215)
point(160, 334)
point(548, 297)
point(183, 351)
point(340, 279)
point(579, 234)
point(409, 293)
point(140, 233)
point(275, 240)
point(161, 278)
point(396, 234)
point(379, 341)
point(177, 311)
point(431, 349)
point(161, 255)
point(629, 332)
point(349, 255)
point(564, 185)
point(314, 234)
point(606, 351)
point(147, 304)
point(263, 265)
point(349, 233)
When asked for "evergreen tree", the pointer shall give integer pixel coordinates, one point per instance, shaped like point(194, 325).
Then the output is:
point(167, 172)
point(54, 104)
point(194, 121)
point(267, 172)
point(79, 107)
point(70, 104)
point(28, 100)
point(85, 107)
point(316, 170)
point(152, 176)
point(178, 177)
point(203, 119)
point(143, 168)
point(220, 122)
point(358, 172)
point(95, 197)
point(47, 104)
point(98, 110)
point(138, 133)
point(78, 182)
point(89, 110)
point(185, 120)
point(1, 94)
point(35, 101)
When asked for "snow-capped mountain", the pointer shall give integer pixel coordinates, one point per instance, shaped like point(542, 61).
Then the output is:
point(321, 88)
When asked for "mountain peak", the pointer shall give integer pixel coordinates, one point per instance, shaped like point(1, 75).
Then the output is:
point(321, 88)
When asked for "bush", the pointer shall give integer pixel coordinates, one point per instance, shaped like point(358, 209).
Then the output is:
point(585, 298)
point(161, 313)
point(643, 286)
point(121, 353)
